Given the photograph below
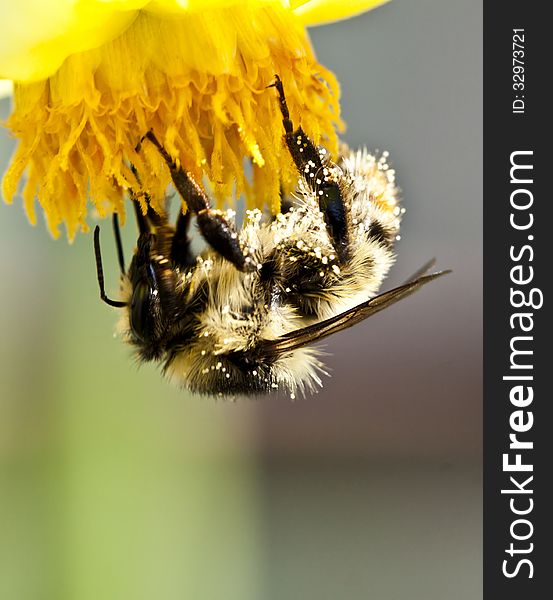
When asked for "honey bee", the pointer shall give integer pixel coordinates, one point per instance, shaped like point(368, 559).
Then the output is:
point(241, 318)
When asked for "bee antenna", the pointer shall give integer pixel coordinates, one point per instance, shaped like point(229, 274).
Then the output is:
point(100, 272)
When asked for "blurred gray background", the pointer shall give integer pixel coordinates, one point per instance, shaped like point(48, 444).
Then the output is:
point(115, 485)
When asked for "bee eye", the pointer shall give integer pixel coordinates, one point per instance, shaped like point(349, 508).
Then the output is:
point(141, 316)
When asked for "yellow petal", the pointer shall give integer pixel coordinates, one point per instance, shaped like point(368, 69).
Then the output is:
point(319, 12)
point(38, 35)
point(200, 82)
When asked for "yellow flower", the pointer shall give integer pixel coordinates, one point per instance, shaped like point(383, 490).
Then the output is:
point(92, 76)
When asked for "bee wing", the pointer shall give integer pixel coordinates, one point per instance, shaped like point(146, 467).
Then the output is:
point(423, 271)
point(318, 331)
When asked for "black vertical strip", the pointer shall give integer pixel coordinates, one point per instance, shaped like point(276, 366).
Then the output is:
point(518, 255)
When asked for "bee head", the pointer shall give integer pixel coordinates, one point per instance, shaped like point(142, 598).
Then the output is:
point(150, 296)
point(145, 310)
point(152, 306)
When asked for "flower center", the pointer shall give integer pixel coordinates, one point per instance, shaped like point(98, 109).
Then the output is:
point(199, 81)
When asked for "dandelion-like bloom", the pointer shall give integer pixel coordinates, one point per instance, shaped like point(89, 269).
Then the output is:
point(93, 76)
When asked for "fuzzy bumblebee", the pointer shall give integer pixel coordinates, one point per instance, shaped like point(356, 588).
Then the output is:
point(241, 317)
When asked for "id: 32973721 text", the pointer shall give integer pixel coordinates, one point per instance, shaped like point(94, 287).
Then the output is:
point(518, 71)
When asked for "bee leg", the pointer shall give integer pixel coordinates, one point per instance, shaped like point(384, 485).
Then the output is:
point(141, 218)
point(143, 226)
point(300, 146)
point(318, 177)
point(181, 252)
point(215, 229)
point(158, 220)
point(175, 242)
point(119, 243)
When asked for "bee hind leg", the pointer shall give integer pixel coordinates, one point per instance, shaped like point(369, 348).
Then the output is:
point(318, 176)
point(302, 150)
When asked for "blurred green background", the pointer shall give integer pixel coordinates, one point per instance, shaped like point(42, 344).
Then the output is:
point(115, 485)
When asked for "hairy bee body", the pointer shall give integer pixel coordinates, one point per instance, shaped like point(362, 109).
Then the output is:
point(221, 314)
point(240, 318)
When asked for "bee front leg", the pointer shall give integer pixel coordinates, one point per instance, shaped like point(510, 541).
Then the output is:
point(180, 245)
point(215, 229)
point(181, 251)
point(318, 177)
